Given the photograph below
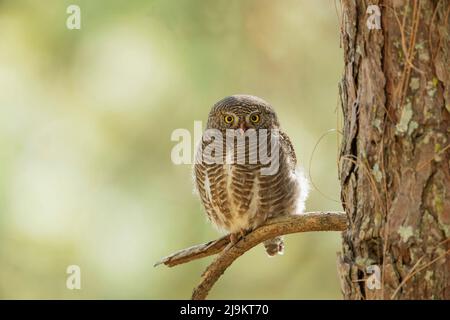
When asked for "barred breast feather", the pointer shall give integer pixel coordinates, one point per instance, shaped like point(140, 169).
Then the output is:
point(238, 197)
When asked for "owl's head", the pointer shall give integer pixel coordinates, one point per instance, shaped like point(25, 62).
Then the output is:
point(242, 112)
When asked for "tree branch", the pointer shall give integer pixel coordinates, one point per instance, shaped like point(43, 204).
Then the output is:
point(311, 221)
point(195, 252)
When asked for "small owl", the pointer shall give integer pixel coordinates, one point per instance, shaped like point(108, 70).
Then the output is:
point(231, 173)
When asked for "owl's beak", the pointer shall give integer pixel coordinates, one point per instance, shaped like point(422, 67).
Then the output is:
point(242, 128)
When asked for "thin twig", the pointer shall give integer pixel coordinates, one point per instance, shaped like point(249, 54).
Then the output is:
point(195, 252)
point(311, 180)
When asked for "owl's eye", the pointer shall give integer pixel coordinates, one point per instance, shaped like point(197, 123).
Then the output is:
point(254, 118)
point(228, 119)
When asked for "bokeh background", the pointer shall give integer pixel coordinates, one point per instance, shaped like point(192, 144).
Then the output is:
point(86, 118)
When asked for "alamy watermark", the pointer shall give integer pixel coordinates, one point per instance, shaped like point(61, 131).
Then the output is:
point(374, 21)
point(74, 19)
point(74, 279)
point(373, 282)
point(228, 146)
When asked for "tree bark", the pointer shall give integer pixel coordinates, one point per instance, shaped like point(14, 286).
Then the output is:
point(394, 157)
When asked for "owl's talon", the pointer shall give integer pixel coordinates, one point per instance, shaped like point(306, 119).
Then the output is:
point(234, 238)
point(237, 236)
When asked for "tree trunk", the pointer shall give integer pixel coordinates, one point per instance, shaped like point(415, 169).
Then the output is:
point(394, 159)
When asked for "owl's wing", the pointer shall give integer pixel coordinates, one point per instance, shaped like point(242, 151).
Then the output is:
point(288, 147)
point(201, 181)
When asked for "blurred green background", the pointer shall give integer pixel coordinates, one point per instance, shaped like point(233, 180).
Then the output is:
point(85, 123)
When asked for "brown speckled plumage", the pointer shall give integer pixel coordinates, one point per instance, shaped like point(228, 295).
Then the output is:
point(238, 197)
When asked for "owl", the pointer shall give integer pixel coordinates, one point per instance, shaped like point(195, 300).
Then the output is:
point(246, 169)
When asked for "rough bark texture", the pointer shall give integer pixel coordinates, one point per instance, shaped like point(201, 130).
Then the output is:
point(394, 161)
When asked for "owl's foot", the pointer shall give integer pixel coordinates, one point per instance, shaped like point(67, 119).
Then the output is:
point(234, 238)
point(274, 246)
point(237, 236)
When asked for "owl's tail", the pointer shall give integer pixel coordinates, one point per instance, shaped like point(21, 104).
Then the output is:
point(274, 246)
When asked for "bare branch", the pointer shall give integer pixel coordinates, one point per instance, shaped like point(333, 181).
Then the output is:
point(311, 221)
point(195, 252)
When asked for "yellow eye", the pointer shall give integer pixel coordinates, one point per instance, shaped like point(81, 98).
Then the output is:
point(254, 118)
point(228, 119)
